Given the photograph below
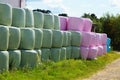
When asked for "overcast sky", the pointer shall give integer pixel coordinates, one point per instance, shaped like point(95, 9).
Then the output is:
point(77, 7)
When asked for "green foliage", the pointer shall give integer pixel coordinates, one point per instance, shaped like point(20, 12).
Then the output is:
point(63, 70)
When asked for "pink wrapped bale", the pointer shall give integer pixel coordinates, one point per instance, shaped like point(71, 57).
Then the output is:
point(75, 24)
point(84, 52)
point(87, 24)
point(92, 54)
point(98, 39)
point(104, 49)
point(63, 23)
point(93, 39)
point(104, 38)
point(100, 50)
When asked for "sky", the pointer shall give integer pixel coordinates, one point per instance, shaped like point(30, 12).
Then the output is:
point(77, 8)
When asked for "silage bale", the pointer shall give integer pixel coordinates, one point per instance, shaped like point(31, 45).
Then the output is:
point(63, 23)
point(27, 38)
point(45, 56)
point(65, 39)
point(104, 49)
point(68, 52)
point(84, 52)
point(63, 53)
point(39, 53)
point(5, 14)
point(56, 22)
point(47, 38)
point(100, 50)
point(38, 38)
point(98, 39)
point(29, 58)
point(29, 18)
point(69, 37)
point(14, 38)
point(48, 21)
point(55, 54)
point(57, 39)
point(75, 54)
point(76, 38)
point(14, 58)
point(93, 39)
point(4, 37)
point(18, 17)
point(75, 24)
point(92, 54)
point(104, 38)
point(38, 19)
point(4, 61)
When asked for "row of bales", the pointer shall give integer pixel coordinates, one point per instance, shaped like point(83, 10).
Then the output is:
point(28, 38)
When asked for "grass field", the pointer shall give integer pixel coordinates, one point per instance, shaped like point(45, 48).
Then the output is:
point(63, 70)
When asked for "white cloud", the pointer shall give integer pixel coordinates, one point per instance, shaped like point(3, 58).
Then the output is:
point(115, 3)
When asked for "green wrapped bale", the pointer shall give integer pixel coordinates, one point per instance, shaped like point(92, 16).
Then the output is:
point(75, 54)
point(18, 17)
point(29, 18)
point(5, 14)
point(47, 38)
point(63, 53)
point(56, 22)
point(38, 19)
point(65, 39)
point(69, 38)
point(39, 52)
point(14, 38)
point(38, 38)
point(45, 56)
point(4, 37)
point(75, 38)
point(14, 58)
point(57, 40)
point(4, 61)
point(48, 21)
point(55, 54)
point(68, 52)
point(29, 58)
point(27, 38)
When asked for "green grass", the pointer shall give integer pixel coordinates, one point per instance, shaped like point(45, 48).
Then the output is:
point(63, 70)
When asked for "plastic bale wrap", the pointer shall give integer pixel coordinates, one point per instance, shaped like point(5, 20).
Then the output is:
point(14, 58)
point(104, 38)
point(87, 24)
point(4, 37)
point(27, 38)
point(48, 21)
point(38, 19)
point(75, 54)
point(92, 54)
point(47, 38)
point(45, 56)
point(63, 53)
point(5, 14)
point(69, 38)
point(84, 52)
point(39, 53)
point(65, 39)
point(104, 49)
point(55, 54)
point(98, 39)
point(57, 39)
point(4, 61)
point(38, 38)
point(18, 17)
point(68, 52)
point(14, 38)
point(75, 24)
point(63, 23)
point(29, 18)
point(76, 38)
point(56, 22)
point(86, 39)
point(29, 58)
point(100, 50)
point(93, 39)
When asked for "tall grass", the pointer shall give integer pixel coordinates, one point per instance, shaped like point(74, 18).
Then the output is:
point(63, 70)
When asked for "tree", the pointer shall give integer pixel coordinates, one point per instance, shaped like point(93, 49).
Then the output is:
point(63, 14)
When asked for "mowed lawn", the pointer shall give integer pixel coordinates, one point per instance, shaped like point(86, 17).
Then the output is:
point(63, 70)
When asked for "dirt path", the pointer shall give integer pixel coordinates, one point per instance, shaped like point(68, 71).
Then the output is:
point(111, 72)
